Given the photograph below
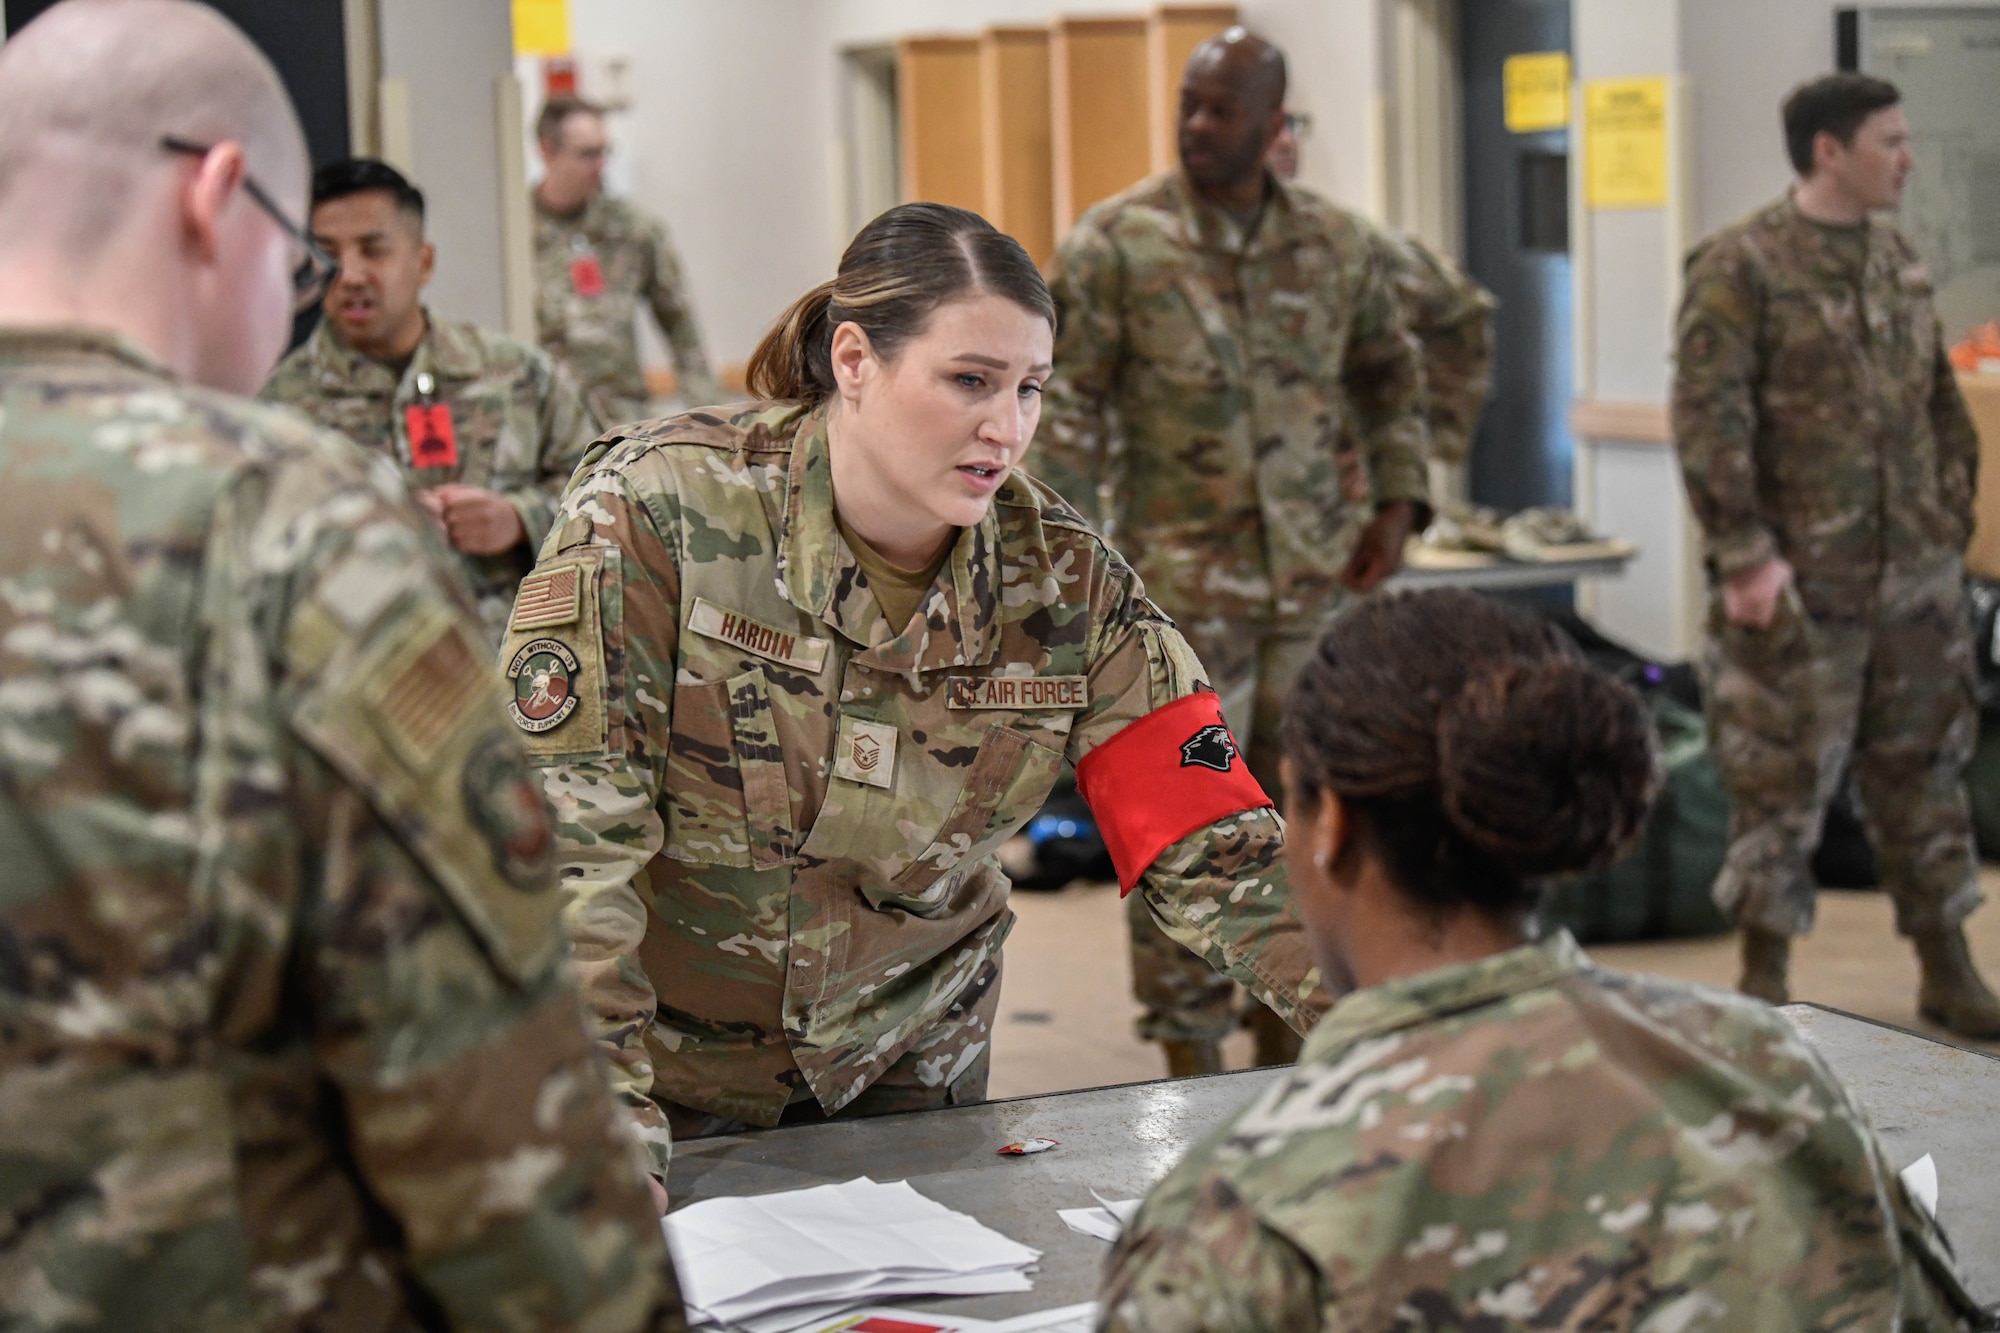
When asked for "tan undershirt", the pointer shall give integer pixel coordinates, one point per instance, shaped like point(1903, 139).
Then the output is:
point(898, 591)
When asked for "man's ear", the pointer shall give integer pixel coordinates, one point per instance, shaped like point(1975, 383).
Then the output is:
point(426, 263)
point(206, 193)
point(853, 358)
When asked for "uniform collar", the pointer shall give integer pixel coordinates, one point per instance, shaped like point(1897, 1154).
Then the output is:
point(447, 350)
point(1808, 240)
point(1408, 1001)
point(40, 342)
point(1210, 228)
point(955, 626)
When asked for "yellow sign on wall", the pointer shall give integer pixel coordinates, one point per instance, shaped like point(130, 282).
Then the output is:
point(541, 27)
point(1625, 143)
point(1537, 88)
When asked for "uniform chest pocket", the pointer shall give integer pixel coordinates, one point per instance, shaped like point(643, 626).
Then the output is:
point(1005, 786)
point(727, 801)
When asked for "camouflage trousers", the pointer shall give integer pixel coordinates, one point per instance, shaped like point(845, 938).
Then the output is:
point(1880, 674)
point(948, 1066)
point(1252, 669)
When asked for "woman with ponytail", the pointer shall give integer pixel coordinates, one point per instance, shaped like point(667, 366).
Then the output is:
point(1488, 1131)
point(795, 669)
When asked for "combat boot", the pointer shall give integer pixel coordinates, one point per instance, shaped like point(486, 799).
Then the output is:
point(1277, 1044)
point(1185, 1059)
point(1767, 957)
point(1953, 994)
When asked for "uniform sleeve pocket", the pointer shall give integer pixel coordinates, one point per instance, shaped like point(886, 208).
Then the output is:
point(1004, 787)
point(727, 800)
point(413, 723)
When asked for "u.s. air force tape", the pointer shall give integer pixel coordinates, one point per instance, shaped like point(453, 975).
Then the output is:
point(1173, 771)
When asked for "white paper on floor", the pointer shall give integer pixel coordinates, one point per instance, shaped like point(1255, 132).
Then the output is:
point(1920, 1178)
point(778, 1261)
point(1107, 1221)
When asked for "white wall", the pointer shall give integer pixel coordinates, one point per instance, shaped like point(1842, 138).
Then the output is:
point(449, 53)
point(1627, 286)
point(733, 136)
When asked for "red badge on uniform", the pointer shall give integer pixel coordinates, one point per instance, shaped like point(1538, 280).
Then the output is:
point(433, 441)
point(1173, 771)
point(586, 277)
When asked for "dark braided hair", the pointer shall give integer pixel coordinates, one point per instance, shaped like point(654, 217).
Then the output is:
point(1475, 749)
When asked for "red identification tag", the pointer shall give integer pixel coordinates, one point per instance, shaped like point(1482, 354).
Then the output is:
point(433, 442)
point(586, 275)
point(1173, 771)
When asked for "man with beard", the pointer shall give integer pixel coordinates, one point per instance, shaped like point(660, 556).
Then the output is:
point(1237, 402)
point(485, 429)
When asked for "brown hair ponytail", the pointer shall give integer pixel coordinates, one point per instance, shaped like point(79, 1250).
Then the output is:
point(894, 274)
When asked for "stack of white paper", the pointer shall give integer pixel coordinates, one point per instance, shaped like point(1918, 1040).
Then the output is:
point(778, 1261)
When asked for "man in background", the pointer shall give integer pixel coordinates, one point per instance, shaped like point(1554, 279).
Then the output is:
point(1830, 462)
point(597, 259)
point(286, 1039)
point(1237, 403)
point(485, 429)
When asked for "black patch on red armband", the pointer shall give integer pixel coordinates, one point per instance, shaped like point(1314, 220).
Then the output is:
point(1211, 747)
point(1173, 771)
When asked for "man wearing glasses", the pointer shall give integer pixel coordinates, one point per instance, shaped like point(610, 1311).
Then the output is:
point(485, 429)
point(285, 1036)
point(596, 259)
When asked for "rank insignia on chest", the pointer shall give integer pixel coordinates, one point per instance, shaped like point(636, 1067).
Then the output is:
point(865, 752)
point(543, 675)
point(1020, 693)
point(547, 598)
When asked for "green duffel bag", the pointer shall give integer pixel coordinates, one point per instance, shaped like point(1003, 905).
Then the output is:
point(1660, 890)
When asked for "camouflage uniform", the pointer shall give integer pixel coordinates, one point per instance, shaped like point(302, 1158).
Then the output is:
point(778, 818)
point(1529, 1141)
point(596, 336)
point(1244, 403)
point(1817, 419)
point(1451, 317)
point(520, 423)
point(286, 1040)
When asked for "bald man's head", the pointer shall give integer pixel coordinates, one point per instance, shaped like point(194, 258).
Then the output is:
point(88, 89)
point(1231, 108)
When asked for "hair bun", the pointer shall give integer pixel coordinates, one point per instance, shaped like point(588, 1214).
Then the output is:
point(1546, 766)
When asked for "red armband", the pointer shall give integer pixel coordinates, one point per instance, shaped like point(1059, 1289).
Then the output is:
point(1173, 771)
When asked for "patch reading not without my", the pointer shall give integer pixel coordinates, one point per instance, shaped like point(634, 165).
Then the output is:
point(543, 675)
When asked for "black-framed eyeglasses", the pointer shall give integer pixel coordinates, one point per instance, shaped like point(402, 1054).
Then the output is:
point(316, 272)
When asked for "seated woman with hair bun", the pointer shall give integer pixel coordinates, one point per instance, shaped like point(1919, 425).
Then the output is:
point(1489, 1131)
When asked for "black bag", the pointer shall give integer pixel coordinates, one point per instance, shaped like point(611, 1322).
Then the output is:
point(1064, 843)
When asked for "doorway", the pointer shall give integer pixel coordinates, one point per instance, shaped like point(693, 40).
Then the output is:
point(870, 134)
point(1516, 191)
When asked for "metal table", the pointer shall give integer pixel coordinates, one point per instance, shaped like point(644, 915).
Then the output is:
point(1924, 1096)
point(1507, 574)
point(1927, 1096)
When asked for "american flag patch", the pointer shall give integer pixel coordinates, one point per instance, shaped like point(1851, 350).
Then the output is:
point(434, 692)
point(552, 597)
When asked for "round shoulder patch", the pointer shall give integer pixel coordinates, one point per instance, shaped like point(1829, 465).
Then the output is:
point(543, 675)
point(504, 801)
